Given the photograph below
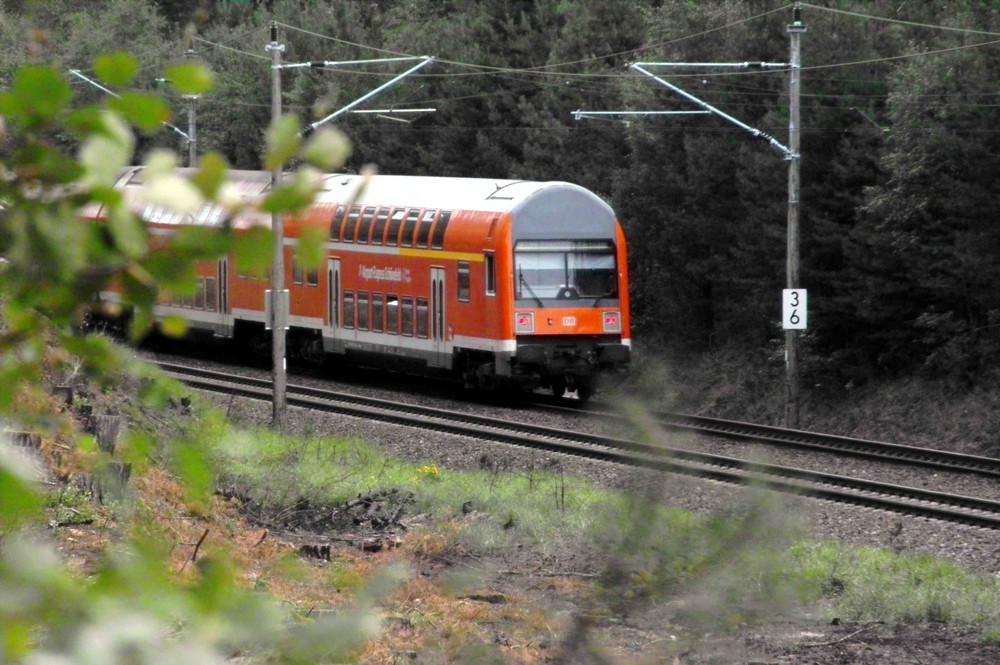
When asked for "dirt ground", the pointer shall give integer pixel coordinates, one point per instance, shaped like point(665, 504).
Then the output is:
point(803, 640)
point(937, 644)
point(587, 629)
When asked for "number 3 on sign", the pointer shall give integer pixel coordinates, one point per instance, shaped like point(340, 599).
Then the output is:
point(793, 311)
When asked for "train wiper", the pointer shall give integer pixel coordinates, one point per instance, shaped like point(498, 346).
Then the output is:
point(524, 283)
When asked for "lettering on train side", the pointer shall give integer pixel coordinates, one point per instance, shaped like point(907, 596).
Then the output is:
point(376, 274)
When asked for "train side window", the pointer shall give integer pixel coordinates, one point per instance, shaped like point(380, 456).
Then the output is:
point(394, 223)
point(312, 276)
point(422, 311)
point(392, 314)
point(406, 316)
point(490, 268)
point(296, 273)
point(335, 223)
point(366, 224)
point(463, 281)
point(348, 309)
point(351, 225)
point(424, 232)
point(437, 240)
point(381, 219)
point(211, 295)
point(362, 310)
point(199, 295)
point(208, 215)
point(378, 313)
point(411, 223)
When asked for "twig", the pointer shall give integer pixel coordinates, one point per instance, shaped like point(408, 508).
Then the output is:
point(263, 537)
point(547, 574)
point(194, 555)
point(838, 641)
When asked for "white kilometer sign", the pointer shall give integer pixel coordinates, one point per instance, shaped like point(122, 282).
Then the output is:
point(793, 310)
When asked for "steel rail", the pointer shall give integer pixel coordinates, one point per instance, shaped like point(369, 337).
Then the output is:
point(813, 441)
point(881, 450)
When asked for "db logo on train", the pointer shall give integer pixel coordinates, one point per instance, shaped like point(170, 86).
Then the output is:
point(569, 321)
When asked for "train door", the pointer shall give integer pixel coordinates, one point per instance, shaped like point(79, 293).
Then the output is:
point(439, 332)
point(334, 332)
point(226, 320)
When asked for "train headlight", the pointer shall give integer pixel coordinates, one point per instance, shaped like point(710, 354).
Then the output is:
point(612, 322)
point(524, 322)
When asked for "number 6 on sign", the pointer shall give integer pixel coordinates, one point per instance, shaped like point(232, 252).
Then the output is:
point(793, 311)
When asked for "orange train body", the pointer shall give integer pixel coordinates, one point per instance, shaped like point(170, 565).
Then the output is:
point(496, 281)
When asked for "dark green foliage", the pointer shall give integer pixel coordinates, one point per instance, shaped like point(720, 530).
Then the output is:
point(55, 264)
point(897, 152)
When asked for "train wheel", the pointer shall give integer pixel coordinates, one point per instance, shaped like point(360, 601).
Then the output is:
point(558, 387)
point(585, 391)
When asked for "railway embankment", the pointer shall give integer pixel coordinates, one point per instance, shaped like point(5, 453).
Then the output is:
point(515, 552)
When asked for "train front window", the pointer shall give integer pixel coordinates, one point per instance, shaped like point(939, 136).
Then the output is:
point(564, 270)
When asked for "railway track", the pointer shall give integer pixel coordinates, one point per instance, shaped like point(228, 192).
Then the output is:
point(813, 441)
point(896, 498)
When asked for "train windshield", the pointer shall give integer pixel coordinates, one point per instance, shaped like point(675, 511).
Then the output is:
point(564, 270)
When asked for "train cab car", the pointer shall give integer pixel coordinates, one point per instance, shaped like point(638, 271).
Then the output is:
point(497, 282)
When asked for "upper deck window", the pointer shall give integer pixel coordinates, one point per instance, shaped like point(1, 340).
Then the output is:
point(397, 218)
point(381, 219)
point(424, 232)
point(411, 223)
point(437, 240)
point(208, 214)
point(338, 217)
point(366, 224)
point(351, 223)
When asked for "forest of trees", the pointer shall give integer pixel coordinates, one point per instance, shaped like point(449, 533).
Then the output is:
point(899, 142)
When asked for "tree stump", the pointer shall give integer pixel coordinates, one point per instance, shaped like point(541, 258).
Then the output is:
point(107, 429)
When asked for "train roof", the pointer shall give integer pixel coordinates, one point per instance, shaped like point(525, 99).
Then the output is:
point(532, 204)
point(481, 194)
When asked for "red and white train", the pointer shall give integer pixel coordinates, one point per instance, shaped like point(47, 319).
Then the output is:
point(499, 282)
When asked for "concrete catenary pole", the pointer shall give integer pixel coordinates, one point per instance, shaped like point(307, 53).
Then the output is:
point(795, 31)
point(192, 122)
point(278, 315)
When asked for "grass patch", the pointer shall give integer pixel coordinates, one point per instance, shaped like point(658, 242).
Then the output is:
point(726, 571)
point(71, 506)
point(281, 472)
point(879, 585)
